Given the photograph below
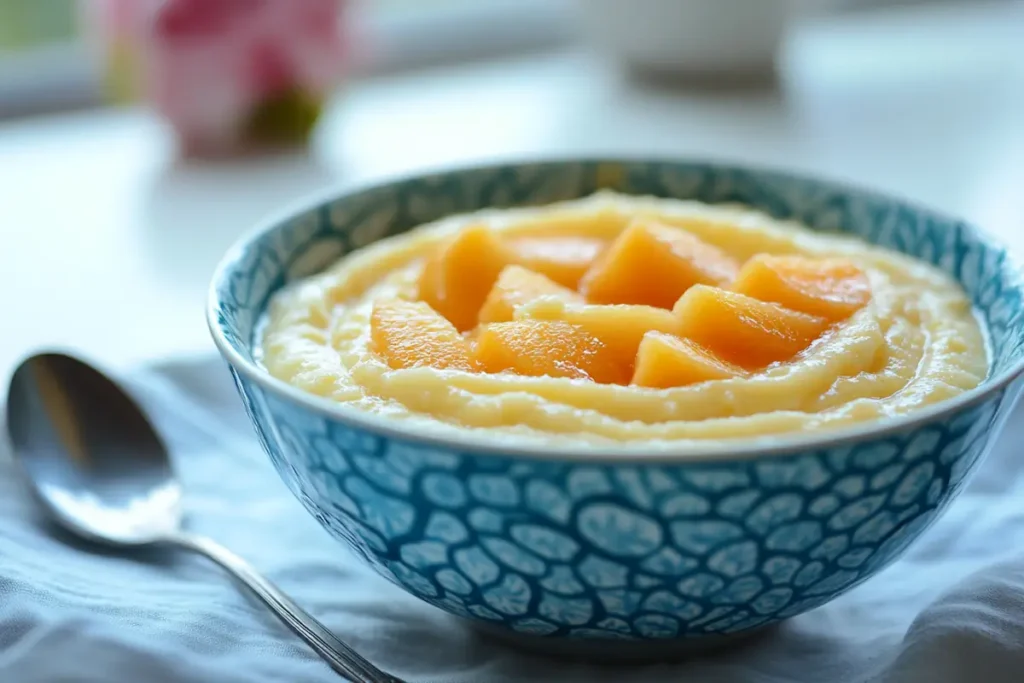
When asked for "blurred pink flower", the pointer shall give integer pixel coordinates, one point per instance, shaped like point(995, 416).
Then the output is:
point(211, 62)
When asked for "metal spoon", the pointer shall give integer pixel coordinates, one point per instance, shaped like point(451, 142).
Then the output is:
point(97, 464)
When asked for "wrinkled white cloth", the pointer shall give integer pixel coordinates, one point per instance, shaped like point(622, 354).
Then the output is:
point(951, 611)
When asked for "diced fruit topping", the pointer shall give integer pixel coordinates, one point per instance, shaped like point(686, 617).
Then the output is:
point(410, 334)
point(742, 330)
point(563, 259)
point(547, 348)
point(619, 326)
point(654, 264)
point(831, 288)
point(657, 307)
point(517, 286)
point(456, 280)
point(665, 361)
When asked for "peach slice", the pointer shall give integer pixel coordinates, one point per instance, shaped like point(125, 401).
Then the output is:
point(664, 361)
point(742, 330)
point(546, 348)
point(456, 279)
point(832, 288)
point(517, 286)
point(410, 334)
point(563, 259)
point(619, 326)
point(654, 264)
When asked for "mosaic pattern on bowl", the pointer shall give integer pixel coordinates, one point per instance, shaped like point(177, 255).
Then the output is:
point(618, 550)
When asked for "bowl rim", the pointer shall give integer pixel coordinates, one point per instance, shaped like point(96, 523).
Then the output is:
point(695, 451)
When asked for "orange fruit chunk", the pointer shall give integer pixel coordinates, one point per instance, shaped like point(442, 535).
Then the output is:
point(653, 264)
point(410, 334)
point(538, 348)
point(832, 288)
point(664, 361)
point(455, 280)
point(742, 330)
point(563, 259)
point(619, 326)
point(517, 286)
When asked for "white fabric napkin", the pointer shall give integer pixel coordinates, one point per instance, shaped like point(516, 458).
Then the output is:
point(951, 611)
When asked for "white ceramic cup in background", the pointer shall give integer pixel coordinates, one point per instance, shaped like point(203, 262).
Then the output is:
point(690, 37)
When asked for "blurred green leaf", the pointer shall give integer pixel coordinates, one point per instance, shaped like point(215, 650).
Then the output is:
point(33, 23)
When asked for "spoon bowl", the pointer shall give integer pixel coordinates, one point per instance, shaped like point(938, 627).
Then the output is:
point(89, 453)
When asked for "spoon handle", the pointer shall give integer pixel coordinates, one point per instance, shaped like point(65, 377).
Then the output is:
point(342, 658)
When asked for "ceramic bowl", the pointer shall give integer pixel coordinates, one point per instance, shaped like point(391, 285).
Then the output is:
point(696, 38)
point(570, 549)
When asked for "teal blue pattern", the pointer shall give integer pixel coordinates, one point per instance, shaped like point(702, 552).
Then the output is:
point(643, 550)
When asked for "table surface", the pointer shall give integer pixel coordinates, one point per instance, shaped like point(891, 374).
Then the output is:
point(109, 241)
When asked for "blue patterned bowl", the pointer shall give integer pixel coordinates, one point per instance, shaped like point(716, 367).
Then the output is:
point(566, 548)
